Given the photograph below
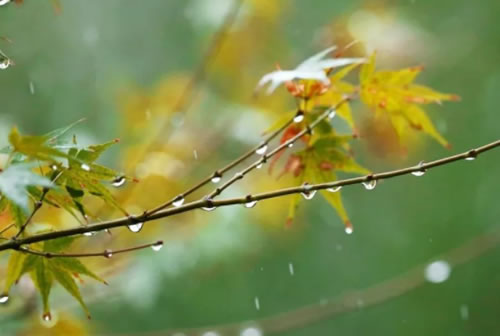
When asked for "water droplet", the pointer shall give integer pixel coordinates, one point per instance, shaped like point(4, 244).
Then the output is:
point(349, 230)
point(290, 269)
point(437, 271)
point(308, 194)
point(290, 145)
point(88, 234)
point(119, 181)
point(471, 155)
point(136, 227)
point(108, 254)
point(210, 333)
point(419, 172)
point(47, 317)
point(332, 114)
point(251, 332)
point(195, 154)
point(334, 189)
point(257, 303)
point(250, 204)
point(470, 158)
point(54, 167)
point(157, 246)
point(464, 312)
point(32, 88)
point(370, 185)
point(4, 2)
point(210, 206)
point(259, 165)
point(216, 178)
point(178, 201)
point(4, 298)
point(4, 63)
point(85, 167)
point(298, 117)
point(261, 150)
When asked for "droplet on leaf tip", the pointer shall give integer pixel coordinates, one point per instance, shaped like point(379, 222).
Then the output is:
point(261, 150)
point(47, 317)
point(178, 201)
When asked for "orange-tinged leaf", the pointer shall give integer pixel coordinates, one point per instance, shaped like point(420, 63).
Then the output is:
point(419, 120)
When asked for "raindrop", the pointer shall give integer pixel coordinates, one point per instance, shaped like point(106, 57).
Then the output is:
point(4, 63)
point(47, 317)
point(157, 246)
point(290, 269)
point(4, 298)
point(210, 333)
point(54, 167)
point(88, 234)
point(135, 227)
point(210, 205)
point(119, 181)
point(290, 145)
point(32, 88)
point(85, 167)
point(349, 230)
point(259, 165)
point(471, 155)
point(438, 271)
point(257, 303)
point(464, 312)
point(298, 117)
point(370, 185)
point(108, 254)
point(470, 158)
point(332, 114)
point(178, 201)
point(334, 189)
point(261, 150)
point(251, 332)
point(250, 204)
point(419, 172)
point(4, 2)
point(216, 178)
point(308, 194)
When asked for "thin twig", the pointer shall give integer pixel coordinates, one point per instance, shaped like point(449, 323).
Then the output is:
point(207, 203)
point(283, 146)
point(37, 206)
point(5, 229)
point(106, 253)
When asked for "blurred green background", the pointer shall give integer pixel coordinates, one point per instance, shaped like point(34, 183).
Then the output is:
point(122, 64)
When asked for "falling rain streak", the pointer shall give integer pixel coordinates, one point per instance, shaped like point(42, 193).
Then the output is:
point(290, 269)
point(257, 303)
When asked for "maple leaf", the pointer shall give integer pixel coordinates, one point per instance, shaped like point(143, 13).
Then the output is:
point(44, 272)
point(312, 68)
point(393, 92)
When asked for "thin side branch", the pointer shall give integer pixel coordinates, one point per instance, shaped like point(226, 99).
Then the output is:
point(211, 204)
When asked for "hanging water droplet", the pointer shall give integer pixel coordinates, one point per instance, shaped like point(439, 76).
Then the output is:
point(4, 63)
point(47, 317)
point(54, 167)
point(108, 254)
point(370, 185)
point(298, 117)
point(157, 246)
point(85, 166)
point(250, 203)
point(334, 189)
point(290, 145)
point(419, 172)
point(136, 227)
point(307, 193)
point(216, 178)
point(88, 234)
point(259, 165)
point(470, 158)
point(438, 271)
point(4, 2)
point(4, 298)
point(251, 332)
point(119, 181)
point(290, 269)
point(32, 88)
point(349, 230)
point(332, 114)
point(261, 150)
point(257, 303)
point(210, 205)
point(178, 201)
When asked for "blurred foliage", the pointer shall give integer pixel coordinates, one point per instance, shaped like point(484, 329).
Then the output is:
point(123, 66)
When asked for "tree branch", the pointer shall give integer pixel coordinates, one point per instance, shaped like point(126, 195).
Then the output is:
point(211, 204)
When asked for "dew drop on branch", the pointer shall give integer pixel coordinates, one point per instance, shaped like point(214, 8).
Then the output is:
point(4, 298)
point(46, 317)
point(251, 332)
point(290, 145)
point(334, 189)
point(88, 234)
point(4, 63)
point(85, 167)
point(470, 158)
point(308, 194)
point(136, 227)
point(261, 150)
point(210, 206)
point(157, 246)
point(437, 271)
point(216, 178)
point(250, 204)
point(298, 117)
point(420, 171)
point(259, 165)
point(178, 201)
point(332, 114)
point(108, 254)
point(119, 181)
point(370, 185)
